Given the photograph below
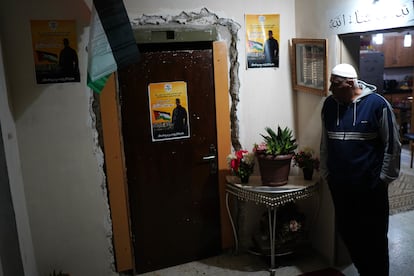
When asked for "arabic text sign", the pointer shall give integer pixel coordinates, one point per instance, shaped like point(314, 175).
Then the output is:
point(376, 16)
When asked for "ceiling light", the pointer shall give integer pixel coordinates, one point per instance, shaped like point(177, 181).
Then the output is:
point(378, 39)
point(407, 40)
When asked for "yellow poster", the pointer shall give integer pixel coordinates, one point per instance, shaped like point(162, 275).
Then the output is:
point(262, 40)
point(55, 47)
point(169, 110)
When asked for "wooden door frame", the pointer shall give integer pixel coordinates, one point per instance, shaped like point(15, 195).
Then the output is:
point(115, 164)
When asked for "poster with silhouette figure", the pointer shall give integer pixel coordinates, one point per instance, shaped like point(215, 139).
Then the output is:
point(55, 47)
point(169, 110)
point(262, 40)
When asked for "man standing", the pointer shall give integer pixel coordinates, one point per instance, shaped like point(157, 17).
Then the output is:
point(271, 50)
point(179, 118)
point(360, 156)
point(68, 61)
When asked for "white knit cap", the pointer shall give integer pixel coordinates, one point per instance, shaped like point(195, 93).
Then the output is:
point(344, 70)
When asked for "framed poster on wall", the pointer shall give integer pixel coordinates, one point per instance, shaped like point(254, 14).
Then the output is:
point(55, 54)
point(169, 110)
point(262, 40)
point(309, 65)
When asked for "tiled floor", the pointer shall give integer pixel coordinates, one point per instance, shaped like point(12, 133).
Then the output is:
point(401, 240)
point(401, 245)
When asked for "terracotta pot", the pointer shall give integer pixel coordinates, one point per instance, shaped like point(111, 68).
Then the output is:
point(274, 170)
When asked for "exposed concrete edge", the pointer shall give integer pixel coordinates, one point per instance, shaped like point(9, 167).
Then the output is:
point(96, 128)
point(227, 31)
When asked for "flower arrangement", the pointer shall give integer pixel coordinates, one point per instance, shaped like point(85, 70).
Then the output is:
point(305, 159)
point(241, 164)
point(290, 230)
point(290, 227)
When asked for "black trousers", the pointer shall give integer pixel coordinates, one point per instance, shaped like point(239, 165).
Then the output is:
point(362, 221)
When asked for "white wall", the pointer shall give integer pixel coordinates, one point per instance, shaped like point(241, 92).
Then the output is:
point(309, 119)
point(11, 151)
point(61, 165)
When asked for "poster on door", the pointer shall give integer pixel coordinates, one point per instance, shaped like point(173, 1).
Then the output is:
point(54, 45)
point(262, 40)
point(169, 110)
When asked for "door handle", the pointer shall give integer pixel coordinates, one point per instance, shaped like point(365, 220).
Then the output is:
point(209, 157)
point(212, 159)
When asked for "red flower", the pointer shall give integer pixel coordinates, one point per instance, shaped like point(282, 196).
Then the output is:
point(241, 162)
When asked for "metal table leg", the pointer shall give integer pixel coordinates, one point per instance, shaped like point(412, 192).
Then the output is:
point(272, 238)
point(236, 240)
point(272, 234)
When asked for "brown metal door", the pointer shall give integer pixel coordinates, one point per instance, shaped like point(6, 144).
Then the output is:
point(173, 184)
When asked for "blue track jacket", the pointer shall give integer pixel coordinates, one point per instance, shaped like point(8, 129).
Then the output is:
point(360, 142)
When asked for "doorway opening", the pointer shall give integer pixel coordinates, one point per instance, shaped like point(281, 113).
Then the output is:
point(383, 59)
point(111, 132)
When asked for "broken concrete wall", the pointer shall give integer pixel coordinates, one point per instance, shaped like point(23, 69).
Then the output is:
point(227, 30)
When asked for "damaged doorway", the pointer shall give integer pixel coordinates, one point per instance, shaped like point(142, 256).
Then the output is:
point(172, 183)
point(226, 82)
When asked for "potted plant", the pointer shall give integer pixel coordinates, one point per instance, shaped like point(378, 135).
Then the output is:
point(275, 154)
point(306, 160)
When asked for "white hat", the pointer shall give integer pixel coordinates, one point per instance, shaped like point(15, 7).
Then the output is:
point(344, 70)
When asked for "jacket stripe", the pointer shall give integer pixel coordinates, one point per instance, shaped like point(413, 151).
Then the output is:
point(362, 136)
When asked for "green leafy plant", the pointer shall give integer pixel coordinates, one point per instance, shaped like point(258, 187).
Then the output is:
point(280, 143)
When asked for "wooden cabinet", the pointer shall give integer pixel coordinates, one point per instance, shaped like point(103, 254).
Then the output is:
point(395, 54)
point(402, 105)
point(405, 55)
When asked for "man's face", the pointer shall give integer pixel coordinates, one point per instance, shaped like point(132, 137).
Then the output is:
point(342, 89)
